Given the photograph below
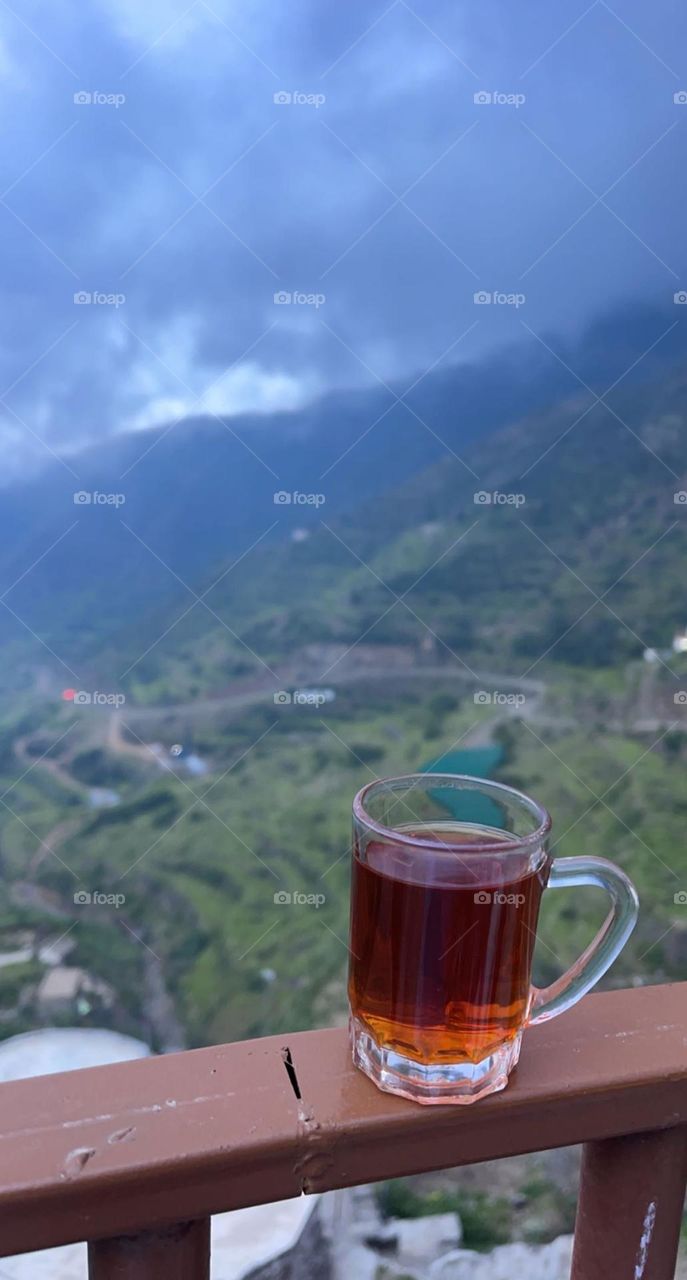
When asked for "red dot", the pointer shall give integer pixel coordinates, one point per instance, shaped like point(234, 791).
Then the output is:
point(68, 694)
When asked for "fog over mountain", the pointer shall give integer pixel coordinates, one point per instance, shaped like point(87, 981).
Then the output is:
point(147, 167)
point(105, 532)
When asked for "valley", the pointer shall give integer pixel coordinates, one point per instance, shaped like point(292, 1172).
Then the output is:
point(199, 872)
point(215, 772)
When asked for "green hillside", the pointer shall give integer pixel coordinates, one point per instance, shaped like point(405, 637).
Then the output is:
point(406, 609)
point(497, 582)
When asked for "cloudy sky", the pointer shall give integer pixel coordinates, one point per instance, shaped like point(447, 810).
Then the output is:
point(181, 164)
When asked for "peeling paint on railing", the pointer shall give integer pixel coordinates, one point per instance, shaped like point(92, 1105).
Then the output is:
point(286, 1117)
point(647, 1233)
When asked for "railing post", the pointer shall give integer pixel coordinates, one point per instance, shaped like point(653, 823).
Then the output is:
point(632, 1193)
point(180, 1252)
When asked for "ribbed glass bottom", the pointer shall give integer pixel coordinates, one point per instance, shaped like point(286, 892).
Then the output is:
point(445, 1082)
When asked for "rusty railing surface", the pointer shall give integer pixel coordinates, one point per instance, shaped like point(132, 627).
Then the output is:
point(135, 1157)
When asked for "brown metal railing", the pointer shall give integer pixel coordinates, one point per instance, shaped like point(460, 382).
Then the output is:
point(135, 1157)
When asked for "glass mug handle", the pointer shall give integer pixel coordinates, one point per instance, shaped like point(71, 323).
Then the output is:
point(548, 1002)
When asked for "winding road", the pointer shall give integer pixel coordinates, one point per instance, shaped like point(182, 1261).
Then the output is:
point(158, 1005)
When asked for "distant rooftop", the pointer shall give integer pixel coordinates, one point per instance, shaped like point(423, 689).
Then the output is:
point(41, 1053)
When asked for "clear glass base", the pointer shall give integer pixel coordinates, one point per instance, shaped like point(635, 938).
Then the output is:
point(441, 1083)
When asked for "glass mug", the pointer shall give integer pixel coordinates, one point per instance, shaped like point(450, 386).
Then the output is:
point(448, 875)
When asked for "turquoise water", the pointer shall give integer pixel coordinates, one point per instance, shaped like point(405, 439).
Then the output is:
point(478, 762)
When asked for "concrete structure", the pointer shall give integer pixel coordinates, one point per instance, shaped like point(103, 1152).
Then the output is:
point(63, 987)
point(24, 947)
point(536, 1262)
point(360, 1242)
point(41, 1053)
point(269, 1242)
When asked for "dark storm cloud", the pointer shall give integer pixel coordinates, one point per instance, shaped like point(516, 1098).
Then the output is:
point(198, 197)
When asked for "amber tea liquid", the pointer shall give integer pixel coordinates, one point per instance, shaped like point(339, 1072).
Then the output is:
point(442, 944)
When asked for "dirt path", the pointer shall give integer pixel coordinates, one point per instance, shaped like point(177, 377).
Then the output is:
point(114, 725)
point(203, 706)
point(53, 767)
point(57, 836)
point(158, 1005)
point(119, 745)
